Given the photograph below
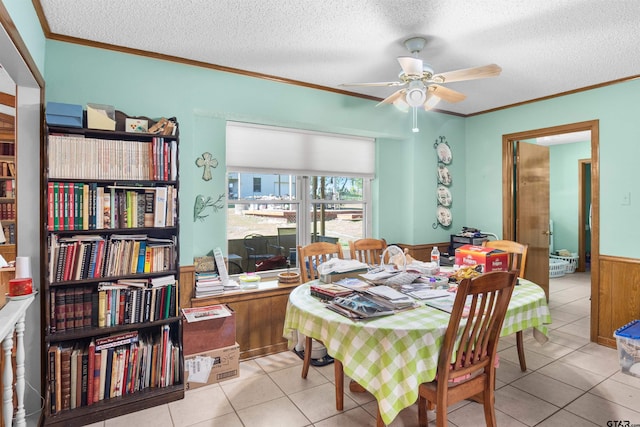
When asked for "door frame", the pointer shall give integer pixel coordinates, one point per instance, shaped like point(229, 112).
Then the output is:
point(508, 195)
point(583, 214)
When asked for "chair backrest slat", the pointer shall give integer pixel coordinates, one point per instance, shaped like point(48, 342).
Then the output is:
point(368, 250)
point(481, 303)
point(311, 256)
point(517, 253)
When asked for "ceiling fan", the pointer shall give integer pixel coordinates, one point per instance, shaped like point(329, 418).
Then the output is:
point(421, 86)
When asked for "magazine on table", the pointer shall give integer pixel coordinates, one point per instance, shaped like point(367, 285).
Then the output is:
point(389, 297)
point(362, 306)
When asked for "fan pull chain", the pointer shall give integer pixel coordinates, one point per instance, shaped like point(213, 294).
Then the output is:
point(415, 120)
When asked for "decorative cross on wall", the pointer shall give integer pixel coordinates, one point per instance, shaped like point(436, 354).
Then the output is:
point(207, 161)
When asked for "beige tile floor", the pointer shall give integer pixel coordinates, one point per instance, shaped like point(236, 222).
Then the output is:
point(569, 382)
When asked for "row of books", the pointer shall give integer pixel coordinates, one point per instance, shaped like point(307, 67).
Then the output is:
point(111, 304)
point(111, 367)
point(94, 256)
point(8, 211)
point(77, 157)
point(9, 232)
point(7, 169)
point(88, 206)
point(7, 188)
point(7, 149)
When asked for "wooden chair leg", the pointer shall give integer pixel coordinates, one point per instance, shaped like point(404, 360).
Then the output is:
point(520, 346)
point(339, 378)
point(423, 420)
point(306, 362)
point(354, 387)
point(379, 422)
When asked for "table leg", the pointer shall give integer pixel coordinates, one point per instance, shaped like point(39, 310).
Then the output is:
point(339, 378)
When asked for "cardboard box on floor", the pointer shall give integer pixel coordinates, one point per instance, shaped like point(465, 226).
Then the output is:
point(211, 334)
point(211, 367)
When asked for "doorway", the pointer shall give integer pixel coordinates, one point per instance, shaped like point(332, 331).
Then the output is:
point(510, 212)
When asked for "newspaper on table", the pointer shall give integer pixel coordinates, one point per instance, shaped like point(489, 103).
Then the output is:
point(198, 314)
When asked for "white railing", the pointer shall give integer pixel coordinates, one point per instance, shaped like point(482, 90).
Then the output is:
point(12, 317)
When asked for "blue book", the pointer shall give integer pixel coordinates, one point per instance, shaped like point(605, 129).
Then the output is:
point(141, 255)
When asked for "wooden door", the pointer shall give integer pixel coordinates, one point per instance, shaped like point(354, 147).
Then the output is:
point(532, 209)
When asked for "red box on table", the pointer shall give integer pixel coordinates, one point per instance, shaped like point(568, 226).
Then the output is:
point(491, 259)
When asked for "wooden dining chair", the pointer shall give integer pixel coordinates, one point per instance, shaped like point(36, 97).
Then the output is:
point(517, 261)
point(466, 367)
point(368, 251)
point(309, 258)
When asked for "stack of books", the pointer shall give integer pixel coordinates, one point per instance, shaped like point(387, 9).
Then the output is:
point(328, 291)
point(208, 284)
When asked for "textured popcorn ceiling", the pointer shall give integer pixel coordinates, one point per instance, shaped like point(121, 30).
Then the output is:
point(544, 47)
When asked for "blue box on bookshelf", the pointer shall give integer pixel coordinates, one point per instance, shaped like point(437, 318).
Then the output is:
point(59, 114)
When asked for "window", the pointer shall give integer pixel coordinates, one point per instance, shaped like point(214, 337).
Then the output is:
point(257, 184)
point(264, 228)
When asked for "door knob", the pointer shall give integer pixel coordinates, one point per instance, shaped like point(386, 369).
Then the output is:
point(547, 232)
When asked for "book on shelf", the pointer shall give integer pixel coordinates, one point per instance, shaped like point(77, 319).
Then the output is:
point(65, 377)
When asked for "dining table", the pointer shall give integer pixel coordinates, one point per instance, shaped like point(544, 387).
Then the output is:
point(390, 356)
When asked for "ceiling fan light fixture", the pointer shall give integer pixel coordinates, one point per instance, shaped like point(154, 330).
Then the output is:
point(416, 94)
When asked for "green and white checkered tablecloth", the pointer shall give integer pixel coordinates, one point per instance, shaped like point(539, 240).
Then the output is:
point(390, 356)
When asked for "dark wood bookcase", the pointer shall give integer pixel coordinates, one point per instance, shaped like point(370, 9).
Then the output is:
point(112, 330)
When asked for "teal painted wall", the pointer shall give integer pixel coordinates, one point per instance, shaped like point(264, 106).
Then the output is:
point(26, 21)
point(203, 99)
point(564, 192)
point(615, 108)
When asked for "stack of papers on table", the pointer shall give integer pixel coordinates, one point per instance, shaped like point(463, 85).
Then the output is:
point(390, 297)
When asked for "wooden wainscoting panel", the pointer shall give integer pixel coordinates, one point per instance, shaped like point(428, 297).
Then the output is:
point(260, 316)
point(422, 252)
point(187, 285)
point(619, 296)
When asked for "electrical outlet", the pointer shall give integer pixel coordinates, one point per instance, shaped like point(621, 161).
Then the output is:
point(626, 199)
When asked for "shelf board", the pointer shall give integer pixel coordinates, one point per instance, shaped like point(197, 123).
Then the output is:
point(115, 278)
point(136, 230)
point(80, 333)
point(110, 408)
point(108, 134)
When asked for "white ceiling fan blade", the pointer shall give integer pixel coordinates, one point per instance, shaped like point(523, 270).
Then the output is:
point(491, 70)
point(392, 98)
point(388, 84)
point(447, 94)
point(410, 66)
point(431, 101)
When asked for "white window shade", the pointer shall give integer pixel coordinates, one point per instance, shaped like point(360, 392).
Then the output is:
point(263, 149)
